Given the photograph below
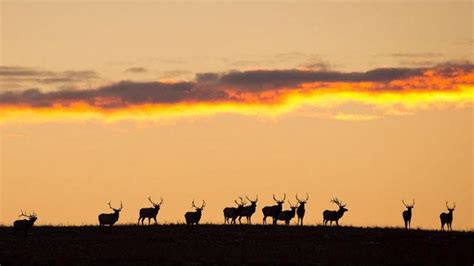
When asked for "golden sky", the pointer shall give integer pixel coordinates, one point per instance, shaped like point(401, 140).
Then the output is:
point(370, 102)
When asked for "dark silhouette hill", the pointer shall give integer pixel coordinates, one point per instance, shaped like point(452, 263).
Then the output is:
point(233, 244)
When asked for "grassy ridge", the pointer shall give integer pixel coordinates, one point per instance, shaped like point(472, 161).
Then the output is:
point(220, 244)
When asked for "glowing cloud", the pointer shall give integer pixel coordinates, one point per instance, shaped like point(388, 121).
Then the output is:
point(269, 93)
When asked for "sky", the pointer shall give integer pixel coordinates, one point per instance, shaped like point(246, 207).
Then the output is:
point(370, 102)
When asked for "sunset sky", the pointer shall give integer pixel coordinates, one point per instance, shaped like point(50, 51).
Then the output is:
point(368, 101)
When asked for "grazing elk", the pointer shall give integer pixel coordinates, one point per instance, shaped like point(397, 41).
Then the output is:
point(301, 210)
point(287, 215)
point(248, 211)
point(231, 213)
point(330, 216)
point(110, 218)
point(407, 214)
point(447, 217)
point(150, 212)
point(274, 210)
point(194, 217)
point(24, 224)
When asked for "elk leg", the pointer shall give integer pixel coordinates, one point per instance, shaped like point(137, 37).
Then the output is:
point(154, 218)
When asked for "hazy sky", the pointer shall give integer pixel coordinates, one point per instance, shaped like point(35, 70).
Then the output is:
point(368, 101)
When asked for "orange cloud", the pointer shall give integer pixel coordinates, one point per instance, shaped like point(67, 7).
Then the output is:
point(268, 93)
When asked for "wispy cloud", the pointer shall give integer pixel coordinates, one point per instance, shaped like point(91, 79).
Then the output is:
point(136, 70)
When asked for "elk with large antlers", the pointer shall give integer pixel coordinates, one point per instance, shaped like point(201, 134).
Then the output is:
point(301, 210)
point(110, 218)
point(231, 213)
point(287, 215)
point(24, 224)
point(447, 217)
point(273, 211)
point(334, 216)
point(195, 216)
point(150, 213)
point(407, 214)
point(248, 211)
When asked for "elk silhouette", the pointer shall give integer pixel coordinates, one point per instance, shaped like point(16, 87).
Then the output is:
point(194, 217)
point(301, 210)
point(274, 210)
point(330, 216)
point(150, 212)
point(110, 218)
point(248, 211)
point(231, 213)
point(287, 215)
point(447, 217)
point(407, 214)
point(24, 224)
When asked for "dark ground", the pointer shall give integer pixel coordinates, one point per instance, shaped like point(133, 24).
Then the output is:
point(235, 245)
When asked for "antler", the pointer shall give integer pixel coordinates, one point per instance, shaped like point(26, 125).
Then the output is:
point(194, 206)
point(302, 201)
point(121, 206)
point(23, 214)
point(291, 205)
point(203, 204)
point(256, 198)
point(454, 206)
point(338, 202)
point(242, 203)
point(277, 200)
point(149, 199)
point(161, 201)
point(110, 206)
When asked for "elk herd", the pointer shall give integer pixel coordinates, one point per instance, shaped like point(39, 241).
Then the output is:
point(245, 207)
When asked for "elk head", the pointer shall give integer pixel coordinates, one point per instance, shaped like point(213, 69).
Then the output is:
point(279, 202)
point(450, 209)
point(116, 210)
point(342, 206)
point(31, 217)
point(408, 206)
point(156, 205)
point(253, 202)
point(199, 209)
point(300, 201)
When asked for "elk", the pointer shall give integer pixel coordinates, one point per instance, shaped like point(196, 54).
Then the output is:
point(407, 213)
point(110, 218)
point(287, 215)
point(194, 217)
point(231, 213)
point(330, 216)
point(24, 224)
point(274, 210)
point(150, 212)
point(248, 211)
point(301, 210)
point(447, 217)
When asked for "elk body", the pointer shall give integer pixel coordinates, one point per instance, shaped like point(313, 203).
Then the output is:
point(195, 216)
point(301, 210)
point(447, 217)
point(407, 213)
point(231, 213)
point(334, 216)
point(273, 211)
point(248, 211)
point(287, 215)
point(150, 213)
point(24, 224)
point(110, 218)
